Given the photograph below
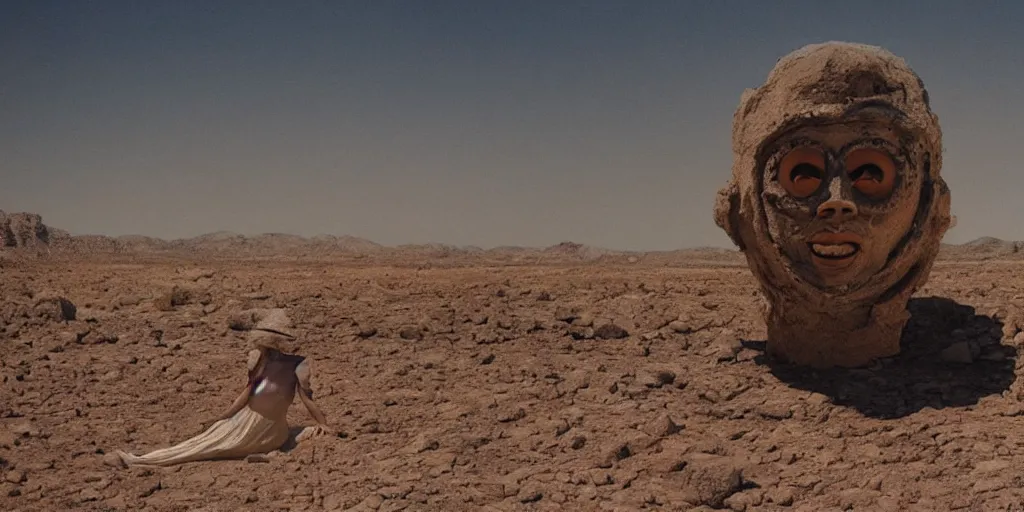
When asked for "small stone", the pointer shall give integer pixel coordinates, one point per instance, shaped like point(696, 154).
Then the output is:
point(581, 333)
point(24, 429)
point(584, 320)
point(774, 410)
point(242, 321)
point(738, 502)
point(781, 496)
point(112, 460)
point(530, 496)
point(511, 414)
point(110, 376)
point(610, 331)
point(651, 336)
point(710, 479)
point(57, 308)
point(410, 333)
point(418, 497)
point(875, 483)
point(99, 338)
point(623, 450)
point(15, 476)
point(659, 379)
point(423, 443)
point(367, 332)
point(89, 494)
point(726, 347)
point(680, 327)
point(661, 426)
point(564, 314)
point(173, 298)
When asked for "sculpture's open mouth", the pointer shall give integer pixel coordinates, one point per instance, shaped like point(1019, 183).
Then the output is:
point(834, 247)
point(834, 251)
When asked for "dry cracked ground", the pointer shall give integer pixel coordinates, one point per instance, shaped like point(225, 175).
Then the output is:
point(581, 387)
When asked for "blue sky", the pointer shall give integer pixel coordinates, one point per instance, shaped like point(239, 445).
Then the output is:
point(474, 122)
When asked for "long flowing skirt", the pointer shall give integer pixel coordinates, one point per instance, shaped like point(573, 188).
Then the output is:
point(247, 432)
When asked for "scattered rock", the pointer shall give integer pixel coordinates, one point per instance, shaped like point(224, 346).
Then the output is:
point(659, 378)
point(242, 320)
point(112, 460)
point(710, 479)
point(175, 297)
point(661, 426)
point(584, 320)
point(610, 331)
point(57, 309)
point(581, 333)
point(438, 424)
point(15, 476)
point(680, 326)
point(784, 496)
point(564, 314)
point(89, 494)
point(410, 333)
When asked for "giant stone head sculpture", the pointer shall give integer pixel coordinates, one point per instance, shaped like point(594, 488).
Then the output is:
point(836, 200)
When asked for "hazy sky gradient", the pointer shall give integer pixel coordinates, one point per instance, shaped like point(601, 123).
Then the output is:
point(474, 122)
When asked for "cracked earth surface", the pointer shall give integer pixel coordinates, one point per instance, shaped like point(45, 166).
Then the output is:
point(582, 387)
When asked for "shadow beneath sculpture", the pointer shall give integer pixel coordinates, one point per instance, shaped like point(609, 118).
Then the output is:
point(949, 357)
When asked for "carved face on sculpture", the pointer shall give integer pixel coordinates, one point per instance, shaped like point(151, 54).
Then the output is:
point(836, 185)
point(840, 197)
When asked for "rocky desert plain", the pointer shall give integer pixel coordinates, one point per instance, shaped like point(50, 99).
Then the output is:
point(563, 378)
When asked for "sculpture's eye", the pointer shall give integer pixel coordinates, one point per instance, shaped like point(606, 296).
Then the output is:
point(872, 171)
point(801, 171)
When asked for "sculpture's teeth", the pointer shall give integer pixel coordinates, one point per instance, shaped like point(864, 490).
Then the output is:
point(834, 250)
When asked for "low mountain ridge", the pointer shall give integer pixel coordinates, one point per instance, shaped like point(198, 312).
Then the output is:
point(26, 234)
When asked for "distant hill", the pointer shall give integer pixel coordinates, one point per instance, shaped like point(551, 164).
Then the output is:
point(986, 247)
point(25, 234)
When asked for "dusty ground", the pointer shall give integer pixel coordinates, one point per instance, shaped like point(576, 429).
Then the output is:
point(507, 388)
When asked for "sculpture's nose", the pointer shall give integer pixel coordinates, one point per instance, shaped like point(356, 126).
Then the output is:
point(840, 205)
point(837, 209)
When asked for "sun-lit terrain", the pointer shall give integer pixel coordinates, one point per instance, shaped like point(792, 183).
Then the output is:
point(517, 379)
